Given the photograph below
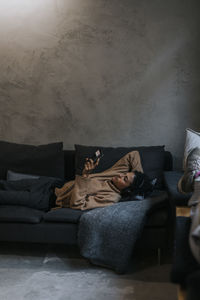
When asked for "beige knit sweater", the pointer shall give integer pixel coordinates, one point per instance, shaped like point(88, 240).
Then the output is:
point(96, 190)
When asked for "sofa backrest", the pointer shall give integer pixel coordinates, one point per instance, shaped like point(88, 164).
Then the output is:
point(69, 157)
point(42, 160)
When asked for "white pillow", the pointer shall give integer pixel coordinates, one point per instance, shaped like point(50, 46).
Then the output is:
point(192, 141)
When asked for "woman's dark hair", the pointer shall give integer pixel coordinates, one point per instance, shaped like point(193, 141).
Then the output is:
point(141, 186)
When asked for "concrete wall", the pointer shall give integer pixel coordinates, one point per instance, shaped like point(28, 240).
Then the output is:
point(100, 72)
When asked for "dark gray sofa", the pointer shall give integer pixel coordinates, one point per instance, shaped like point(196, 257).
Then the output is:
point(25, 224)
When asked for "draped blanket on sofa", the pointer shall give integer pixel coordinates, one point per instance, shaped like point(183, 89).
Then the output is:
point(107, 235)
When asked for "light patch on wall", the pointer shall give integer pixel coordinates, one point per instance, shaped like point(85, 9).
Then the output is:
point(13, 7)
point(28, 23)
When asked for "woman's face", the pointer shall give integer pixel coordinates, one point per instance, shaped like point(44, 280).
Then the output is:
point(123, 181)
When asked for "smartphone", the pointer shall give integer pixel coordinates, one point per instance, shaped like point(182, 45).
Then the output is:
point(97, 154)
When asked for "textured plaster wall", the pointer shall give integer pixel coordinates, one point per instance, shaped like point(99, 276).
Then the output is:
point(100, 72)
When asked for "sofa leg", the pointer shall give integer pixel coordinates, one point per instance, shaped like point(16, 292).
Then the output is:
point(159, 256)
point(181, 293)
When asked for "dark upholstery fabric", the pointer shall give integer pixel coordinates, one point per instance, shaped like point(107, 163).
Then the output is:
point(61, 233)
point(171, 179)
point(153, 238)
point(158, 218)
point(168, 165)
point(12, 176)
point(69, 156)
point(193, 286)
point(46, 160)
point(63, 215)
point(152, 158)
point(183, 260)
point(19, 214)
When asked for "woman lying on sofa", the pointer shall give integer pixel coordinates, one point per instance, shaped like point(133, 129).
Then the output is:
point(90, 190)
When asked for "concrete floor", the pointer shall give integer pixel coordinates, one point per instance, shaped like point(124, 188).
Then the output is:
point(43, 272)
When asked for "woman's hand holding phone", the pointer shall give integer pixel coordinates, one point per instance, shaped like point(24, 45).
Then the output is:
point(89, 166)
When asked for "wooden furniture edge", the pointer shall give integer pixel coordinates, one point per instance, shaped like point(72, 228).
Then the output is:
point(183, 211)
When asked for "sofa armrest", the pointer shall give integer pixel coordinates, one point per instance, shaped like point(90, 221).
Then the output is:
point(171, 179)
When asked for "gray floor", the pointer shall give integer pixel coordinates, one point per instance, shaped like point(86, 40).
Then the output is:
point(43, 272)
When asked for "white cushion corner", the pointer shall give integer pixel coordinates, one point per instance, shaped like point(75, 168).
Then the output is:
point(192, 141)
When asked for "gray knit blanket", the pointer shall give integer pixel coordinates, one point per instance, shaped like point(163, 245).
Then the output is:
point(107, 235)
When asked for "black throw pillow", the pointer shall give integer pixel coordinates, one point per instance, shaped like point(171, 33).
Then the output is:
point(152, 159)
point(43, 160)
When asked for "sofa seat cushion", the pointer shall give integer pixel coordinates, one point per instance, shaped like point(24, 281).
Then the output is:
point(67, 215)
point(157, 214)
point(20, 214)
